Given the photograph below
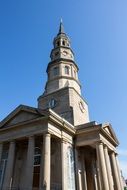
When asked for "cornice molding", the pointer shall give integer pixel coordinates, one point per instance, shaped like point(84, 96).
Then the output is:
point(59, 60)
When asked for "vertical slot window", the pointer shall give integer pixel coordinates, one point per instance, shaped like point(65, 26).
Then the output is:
point(66, 70)
point(56, 71)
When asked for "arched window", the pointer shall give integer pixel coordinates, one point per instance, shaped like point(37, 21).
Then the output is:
point(63, 43)
point(37, 156)
point(58, 43)
point(66, 70)
point(56, 71)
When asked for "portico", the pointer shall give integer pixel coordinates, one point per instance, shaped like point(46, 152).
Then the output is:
point(34, 161)
point(97, 165)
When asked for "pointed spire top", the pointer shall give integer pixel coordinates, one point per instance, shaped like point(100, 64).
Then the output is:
point(61, 28)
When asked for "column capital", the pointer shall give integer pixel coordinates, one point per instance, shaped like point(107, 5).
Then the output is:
point(112, 153)
point(99, 143)
point(116, 154)
point(12, 141)
point(63, 140)
point(47, 134)
point(31, 136)
point(106, 147)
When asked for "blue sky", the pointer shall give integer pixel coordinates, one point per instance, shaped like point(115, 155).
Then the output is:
point(98, 32)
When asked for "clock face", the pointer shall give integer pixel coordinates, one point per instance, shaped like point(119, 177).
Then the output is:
point(52, 103)
point(65, 53)
point(82, 106)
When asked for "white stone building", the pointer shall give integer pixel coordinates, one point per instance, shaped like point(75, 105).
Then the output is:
point(56, 146)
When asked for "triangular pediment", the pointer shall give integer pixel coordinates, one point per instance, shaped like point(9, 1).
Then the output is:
point(107, 130)
point(20, 114)
point(107, 127)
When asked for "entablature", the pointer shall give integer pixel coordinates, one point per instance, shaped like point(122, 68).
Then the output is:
point(92, 133)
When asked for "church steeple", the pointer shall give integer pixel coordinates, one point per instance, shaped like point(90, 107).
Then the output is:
point(63, 90)
point(62, 69)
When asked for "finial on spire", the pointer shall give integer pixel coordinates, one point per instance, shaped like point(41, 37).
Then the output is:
point(61, 28)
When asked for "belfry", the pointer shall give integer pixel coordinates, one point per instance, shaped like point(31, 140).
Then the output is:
point(55, 146)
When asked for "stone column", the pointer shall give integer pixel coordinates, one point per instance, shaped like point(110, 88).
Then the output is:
point(94, 169)
point(119, 173)
point(46, 161)
point(98, 174)
point(41, 167)
point(10, 166)
point(30, 163)
point(77, 169)
point(84, 180)
point(1, 150)
point(63, 159)
point(110, 180)
point(102, 166)
point(115, 172)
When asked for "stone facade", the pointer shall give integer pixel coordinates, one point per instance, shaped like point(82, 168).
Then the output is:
point(55, 146)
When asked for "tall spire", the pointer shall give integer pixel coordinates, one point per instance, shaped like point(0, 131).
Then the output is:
point(61, 28)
